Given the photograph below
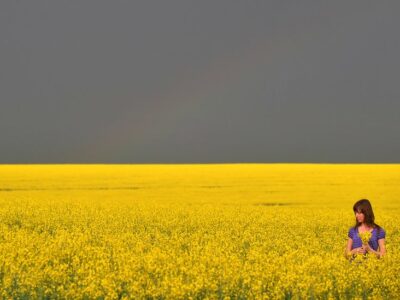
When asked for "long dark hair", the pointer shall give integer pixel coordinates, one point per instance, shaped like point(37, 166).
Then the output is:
point(365, 207)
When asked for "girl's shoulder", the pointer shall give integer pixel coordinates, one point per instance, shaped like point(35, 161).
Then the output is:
point(352, 231)
point(380, 232)
point(378, 228)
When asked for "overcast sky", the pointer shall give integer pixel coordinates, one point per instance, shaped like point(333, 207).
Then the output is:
point(199, 81)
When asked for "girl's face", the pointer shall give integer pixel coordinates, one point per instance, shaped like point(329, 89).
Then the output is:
point(359, 216)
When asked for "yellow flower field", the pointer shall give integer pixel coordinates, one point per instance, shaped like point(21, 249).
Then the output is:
point(205, 231)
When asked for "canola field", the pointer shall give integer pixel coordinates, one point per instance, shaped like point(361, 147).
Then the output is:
point(200, 231)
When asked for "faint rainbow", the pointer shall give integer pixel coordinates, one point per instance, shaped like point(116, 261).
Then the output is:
point(185, 96)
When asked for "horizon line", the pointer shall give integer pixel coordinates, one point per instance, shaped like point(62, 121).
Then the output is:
point(207, 163)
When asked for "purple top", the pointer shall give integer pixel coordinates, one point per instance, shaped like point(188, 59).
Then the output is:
point(373, 242)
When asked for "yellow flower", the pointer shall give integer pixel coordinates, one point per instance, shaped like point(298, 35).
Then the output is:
point(365, 236)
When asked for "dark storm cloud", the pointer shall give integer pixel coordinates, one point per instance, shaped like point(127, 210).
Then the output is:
point(199, 81)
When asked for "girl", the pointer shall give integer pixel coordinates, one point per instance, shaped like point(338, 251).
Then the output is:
point(365, 222)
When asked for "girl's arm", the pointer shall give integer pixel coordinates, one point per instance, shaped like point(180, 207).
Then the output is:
point(349, 253)
point(382, 249)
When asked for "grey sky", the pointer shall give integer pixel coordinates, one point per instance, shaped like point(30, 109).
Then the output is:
point(199, 81)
